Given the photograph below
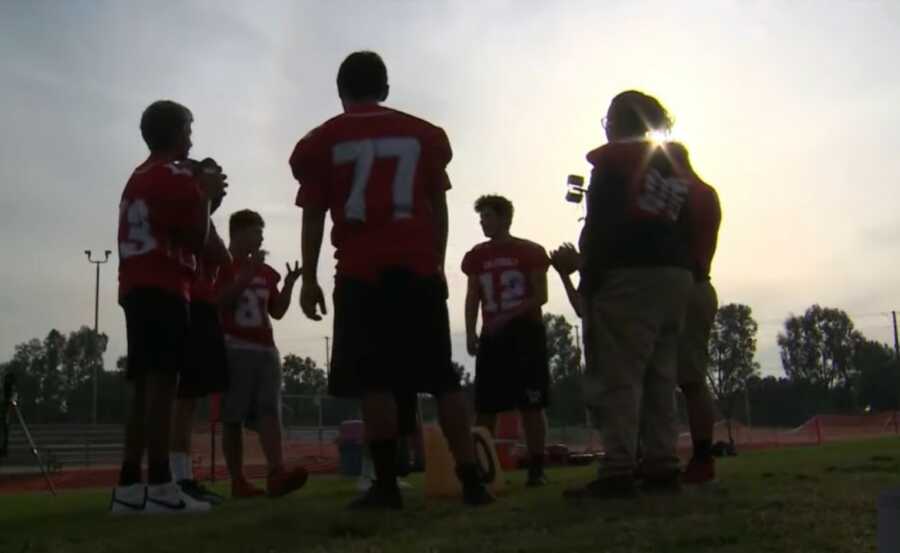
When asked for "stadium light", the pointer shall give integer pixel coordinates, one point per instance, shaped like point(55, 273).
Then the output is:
point(95, 376)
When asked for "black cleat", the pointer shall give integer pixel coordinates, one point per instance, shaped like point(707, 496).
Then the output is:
point(378, 498)
point(536, 479)
point(607, 487)
point(476, 496)
point(662, 484)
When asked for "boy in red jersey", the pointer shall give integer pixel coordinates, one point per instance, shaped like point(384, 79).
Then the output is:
point(382, 175)
point(248, 295)
point(508, 279)
point(205, 369)
point(693, 345)
point(163, 224)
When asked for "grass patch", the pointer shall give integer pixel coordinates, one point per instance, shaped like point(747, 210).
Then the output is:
point(814, 499)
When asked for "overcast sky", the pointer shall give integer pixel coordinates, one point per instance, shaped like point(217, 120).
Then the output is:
point(788, 108)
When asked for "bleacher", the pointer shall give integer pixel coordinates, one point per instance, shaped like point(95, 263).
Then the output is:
point(65, 445)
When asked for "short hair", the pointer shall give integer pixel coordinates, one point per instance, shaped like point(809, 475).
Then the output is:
point(363, 76)
point(162, 124)
point(634, 113)
point(243, 219)
point(498, 204)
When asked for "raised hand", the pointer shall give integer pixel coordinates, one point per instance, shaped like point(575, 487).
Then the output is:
point(292, 275)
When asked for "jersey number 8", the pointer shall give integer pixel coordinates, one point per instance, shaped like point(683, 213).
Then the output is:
point(140, 239)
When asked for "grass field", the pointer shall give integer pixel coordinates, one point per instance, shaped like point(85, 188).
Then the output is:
point(814, 499)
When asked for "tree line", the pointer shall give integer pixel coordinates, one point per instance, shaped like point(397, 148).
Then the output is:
point(829, 367)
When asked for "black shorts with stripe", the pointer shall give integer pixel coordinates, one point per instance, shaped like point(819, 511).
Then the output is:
point(391, 334)
point(512, 369)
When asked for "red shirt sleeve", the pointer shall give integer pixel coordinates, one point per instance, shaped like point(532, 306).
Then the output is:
point(540, 261)
point(311, 166)
point(437, 155)
point(468, 263)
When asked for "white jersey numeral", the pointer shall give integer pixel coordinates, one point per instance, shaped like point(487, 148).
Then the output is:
point(363, 154)
point(662, 196)
point(249, 311)
point(140, 237)
point(512, 290)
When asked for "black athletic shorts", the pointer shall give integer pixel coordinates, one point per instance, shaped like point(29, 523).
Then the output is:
point(156, 327)
point(407, 413)
point(392, 334)
point(511, 370)
point(206, 367)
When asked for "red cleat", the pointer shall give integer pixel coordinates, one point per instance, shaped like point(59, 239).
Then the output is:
point(283, 482)
point(241, 488)
point(699, 472)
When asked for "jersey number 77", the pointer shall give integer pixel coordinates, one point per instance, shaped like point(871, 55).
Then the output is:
point(363, 153)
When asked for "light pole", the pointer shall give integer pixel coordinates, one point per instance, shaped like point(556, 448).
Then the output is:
point(94, 377)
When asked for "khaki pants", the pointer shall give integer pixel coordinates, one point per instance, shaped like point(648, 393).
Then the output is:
point(693, 348)
point(635, 319)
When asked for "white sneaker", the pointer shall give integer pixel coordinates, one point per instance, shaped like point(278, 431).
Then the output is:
point(128, 499)
point(168, 498)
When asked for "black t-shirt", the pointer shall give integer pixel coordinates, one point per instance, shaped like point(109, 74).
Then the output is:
point(637, 210)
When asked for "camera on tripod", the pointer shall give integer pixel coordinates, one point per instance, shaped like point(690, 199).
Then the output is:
point(9, 388)
point(10, 409)
point(575, 189)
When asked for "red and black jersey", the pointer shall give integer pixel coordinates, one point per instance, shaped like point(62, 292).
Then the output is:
point(706, 216)
point(161, 203)
point(248, 319)
point(375, 168)
point(502, 269)
point(638, 211)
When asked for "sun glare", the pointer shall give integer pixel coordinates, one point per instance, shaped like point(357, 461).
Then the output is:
point(658, 137)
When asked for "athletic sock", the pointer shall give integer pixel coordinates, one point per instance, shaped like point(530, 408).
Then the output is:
point(180, 464)
point(702, 449)
point(129, 474)
point(384, 457)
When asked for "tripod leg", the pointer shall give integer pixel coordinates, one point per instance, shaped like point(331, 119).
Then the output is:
point(34, 450)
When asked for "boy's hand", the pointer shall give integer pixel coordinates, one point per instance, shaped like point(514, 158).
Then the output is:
point(212, 181)
point(472, 344)
point(292, 275)
point(311, 297)
point(251, 265)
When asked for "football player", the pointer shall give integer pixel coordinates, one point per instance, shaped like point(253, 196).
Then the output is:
point(248, 295)
point(205, 368)
point(381, 173)
point(163, 225)
point(507, 278)
point(693, 347)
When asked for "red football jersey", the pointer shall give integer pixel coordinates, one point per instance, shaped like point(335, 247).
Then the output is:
point(503, 270)
point(160, 202)
point(203, 285)
point(374, 169)
point(706, 216)
point(248, 319)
